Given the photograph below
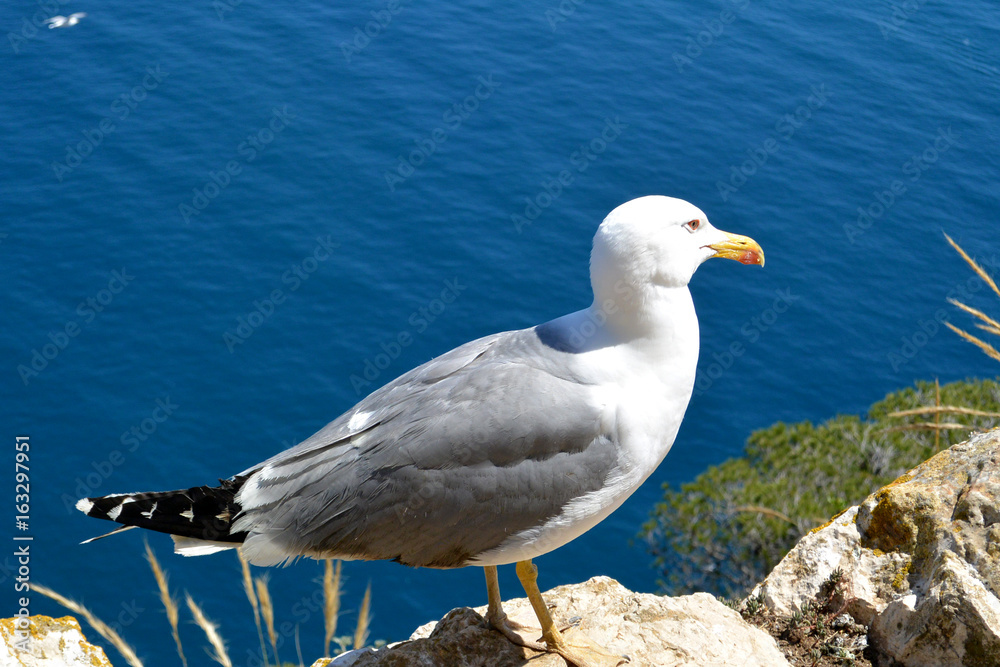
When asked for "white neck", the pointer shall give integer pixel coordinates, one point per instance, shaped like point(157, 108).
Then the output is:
point(645, 314)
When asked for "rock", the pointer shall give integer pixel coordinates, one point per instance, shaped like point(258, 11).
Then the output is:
point(51, 642)
point(921, 559)
point(874, 578)
point(651, 629)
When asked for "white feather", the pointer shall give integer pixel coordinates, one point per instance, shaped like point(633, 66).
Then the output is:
point(191, 546)
point(358, 420)
point(84, 505)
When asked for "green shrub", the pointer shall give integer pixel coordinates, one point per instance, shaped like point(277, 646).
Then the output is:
point(723, 532)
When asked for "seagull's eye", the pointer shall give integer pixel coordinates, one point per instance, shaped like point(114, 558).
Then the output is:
point(692, 226)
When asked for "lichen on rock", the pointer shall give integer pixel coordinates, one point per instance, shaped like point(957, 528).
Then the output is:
point(50, 642)
point(921, 560)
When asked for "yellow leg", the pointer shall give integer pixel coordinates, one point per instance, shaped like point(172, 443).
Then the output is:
point(494, 608)
point(496, 617)
point(528, 574)
point(585, 654)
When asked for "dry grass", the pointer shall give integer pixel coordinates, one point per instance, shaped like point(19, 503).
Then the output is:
point(937, 426)
point(990, 351)
point(267, 611)
point(331, 601)
point(941, 426)
point(102, 628)
point(257, 592)
point(212, 632)
point(975, 267)
point(991, 324)
point(986, 323)
point(364, 619)
point(169, 603)
point(766, 511)
point(298, 646)
point(944, 409)
point(252, 597)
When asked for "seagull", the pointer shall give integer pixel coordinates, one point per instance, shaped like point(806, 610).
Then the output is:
point(499, 451)
point(65, 21)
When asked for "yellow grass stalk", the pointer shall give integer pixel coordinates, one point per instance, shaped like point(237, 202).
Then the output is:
point(364, 619)
point(211, 631)
point(102, 628)
point(169, 603)
point(992, 323)
point(267, 611)
point(252, 597)
point(975, 267)
point(937, 415)
point(331, 600)
point(990, 351)
point(944, 409)
point(929, 426)
point(766, 511)
point(298, 646)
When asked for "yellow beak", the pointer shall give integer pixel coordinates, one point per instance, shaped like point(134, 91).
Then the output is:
point(741, 248)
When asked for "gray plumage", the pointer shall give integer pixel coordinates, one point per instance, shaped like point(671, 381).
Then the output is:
point(485, 441)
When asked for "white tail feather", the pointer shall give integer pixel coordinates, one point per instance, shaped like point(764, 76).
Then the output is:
point(190, 546)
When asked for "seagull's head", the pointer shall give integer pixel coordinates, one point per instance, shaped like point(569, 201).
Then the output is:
point(662, 241)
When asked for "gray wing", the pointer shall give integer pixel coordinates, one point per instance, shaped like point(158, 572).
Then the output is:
point(442, 464)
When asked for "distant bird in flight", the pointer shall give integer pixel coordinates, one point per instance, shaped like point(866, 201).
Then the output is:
point(496, 452)
point(65, 21)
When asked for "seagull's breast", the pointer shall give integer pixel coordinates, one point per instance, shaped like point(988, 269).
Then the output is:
point(648, 400)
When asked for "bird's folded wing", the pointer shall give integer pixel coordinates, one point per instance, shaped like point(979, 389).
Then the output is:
point(446, 462)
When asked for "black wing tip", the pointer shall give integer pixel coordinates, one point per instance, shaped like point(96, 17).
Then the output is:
point(102, 506)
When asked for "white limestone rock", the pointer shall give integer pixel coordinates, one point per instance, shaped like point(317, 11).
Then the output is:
point(694, 630)
point(49, 642)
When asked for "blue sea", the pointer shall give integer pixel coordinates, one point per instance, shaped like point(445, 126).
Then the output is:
point(225, 222)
